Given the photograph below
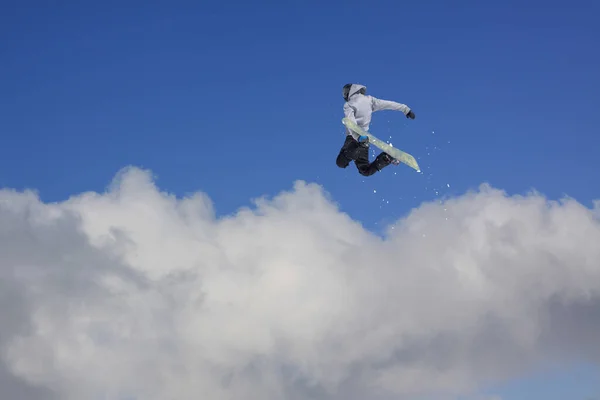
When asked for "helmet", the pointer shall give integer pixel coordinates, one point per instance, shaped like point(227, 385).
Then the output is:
point(351, 89)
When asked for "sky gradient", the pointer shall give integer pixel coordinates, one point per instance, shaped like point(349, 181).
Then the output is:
point(241, 99)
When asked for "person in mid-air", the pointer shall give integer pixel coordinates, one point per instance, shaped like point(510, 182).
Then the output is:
point(358, 108)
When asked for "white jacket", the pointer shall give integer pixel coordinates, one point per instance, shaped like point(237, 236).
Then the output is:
point(359, 108)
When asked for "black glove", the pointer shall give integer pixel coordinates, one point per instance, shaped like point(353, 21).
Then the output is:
point(410, 115)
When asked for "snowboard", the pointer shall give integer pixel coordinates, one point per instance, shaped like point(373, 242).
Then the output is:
point(398, 154)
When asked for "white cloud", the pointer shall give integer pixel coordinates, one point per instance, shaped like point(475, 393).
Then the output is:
point(136, 292)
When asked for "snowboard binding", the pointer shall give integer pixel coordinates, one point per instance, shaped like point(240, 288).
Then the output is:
point(391, 159)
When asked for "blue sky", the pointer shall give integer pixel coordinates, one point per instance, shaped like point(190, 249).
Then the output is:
point(240, 99)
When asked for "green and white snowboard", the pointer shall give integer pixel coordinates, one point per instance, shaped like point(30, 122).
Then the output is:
point(391, 150)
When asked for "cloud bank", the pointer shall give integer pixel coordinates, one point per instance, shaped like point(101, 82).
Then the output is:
point(136, 294)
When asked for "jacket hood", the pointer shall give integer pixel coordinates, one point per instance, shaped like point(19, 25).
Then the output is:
point(354, 88)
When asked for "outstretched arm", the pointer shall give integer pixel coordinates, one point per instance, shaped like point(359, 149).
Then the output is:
point(379, 104)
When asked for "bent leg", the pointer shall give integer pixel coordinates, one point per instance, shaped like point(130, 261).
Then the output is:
point(366, 168)
point(347, 152)
point(342, 160)
point(359, 153)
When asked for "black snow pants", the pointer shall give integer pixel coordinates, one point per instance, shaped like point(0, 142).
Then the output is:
point(352, 150)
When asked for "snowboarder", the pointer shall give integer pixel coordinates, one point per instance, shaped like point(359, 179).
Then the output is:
point(358, 108)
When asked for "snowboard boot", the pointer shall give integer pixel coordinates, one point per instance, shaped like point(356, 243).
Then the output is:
point(384, 159)
point(393, 161)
